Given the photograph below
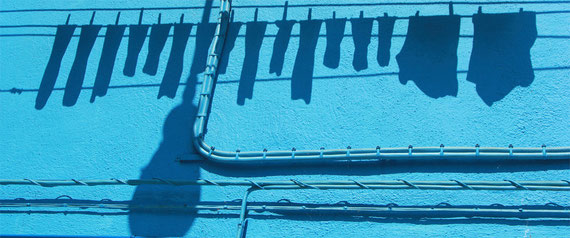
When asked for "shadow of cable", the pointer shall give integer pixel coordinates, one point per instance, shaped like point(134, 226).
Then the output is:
point(384, 167)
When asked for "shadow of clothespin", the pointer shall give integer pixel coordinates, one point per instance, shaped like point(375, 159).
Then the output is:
point(92, 18)
point(117, 20)
point(141, 16)
point(285, 10)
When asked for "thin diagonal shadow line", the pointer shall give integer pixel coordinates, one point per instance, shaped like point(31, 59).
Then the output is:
point(19, 91)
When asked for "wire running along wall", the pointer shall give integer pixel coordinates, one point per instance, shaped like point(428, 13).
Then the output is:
point(422, 55)
point(218, 33)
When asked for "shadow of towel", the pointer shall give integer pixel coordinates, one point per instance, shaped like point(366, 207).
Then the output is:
point(500, 59)
point(429, 55)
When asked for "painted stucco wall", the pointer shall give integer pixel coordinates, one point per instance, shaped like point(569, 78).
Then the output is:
point(131, 133)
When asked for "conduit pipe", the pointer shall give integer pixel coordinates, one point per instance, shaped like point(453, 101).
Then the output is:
point(391, 210)
point(322, 155)
point(555, 185)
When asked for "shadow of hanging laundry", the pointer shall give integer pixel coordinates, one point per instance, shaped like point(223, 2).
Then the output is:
point(361, 33)
point(281, 42)
point(63, 36)
point(335, 32)
point(157, 40)
point(77, 74)
point(255, 31)
point(302, 77)
point(113, 38)
point(137, 36)
point(429, 54)
point(174, 67)
point(231, 37)
point(500, 60)
point(385, 31)
point(280, 46)
point(204, 35)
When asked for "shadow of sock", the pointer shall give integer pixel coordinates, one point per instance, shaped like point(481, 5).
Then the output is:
point(361, 33)
point(500, 59)
point(335, 33)
point(174, 67)
point(63, 36)
point(280, 46)
point(385, 31)
point(113, 38)
point(137, 36)
point(302, 77)
point(156, 42)
point(87, 39)
point(255, 31)
point(231, 37)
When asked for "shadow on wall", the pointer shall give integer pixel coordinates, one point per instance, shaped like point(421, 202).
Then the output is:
point(361, 33)
point(335, 33)
point(429, 55)
point(500, 59)
point(113, 38)
point(255, 31)
point(302, 77)
point(177, 141)
point(62, 38)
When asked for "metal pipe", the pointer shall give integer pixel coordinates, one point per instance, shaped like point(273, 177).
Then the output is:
point(390, 210)
point(337, 155)
point(556, 185)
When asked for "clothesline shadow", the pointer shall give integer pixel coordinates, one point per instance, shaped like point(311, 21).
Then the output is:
point(500, 59)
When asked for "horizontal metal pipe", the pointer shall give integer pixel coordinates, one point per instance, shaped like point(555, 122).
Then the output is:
point(561, 185)
point(336, 155)
point(381, 211)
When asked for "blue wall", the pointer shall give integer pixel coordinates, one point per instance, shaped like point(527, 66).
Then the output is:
point(133, 132)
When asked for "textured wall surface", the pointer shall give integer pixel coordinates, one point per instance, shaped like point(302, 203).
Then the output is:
point(132, 132)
